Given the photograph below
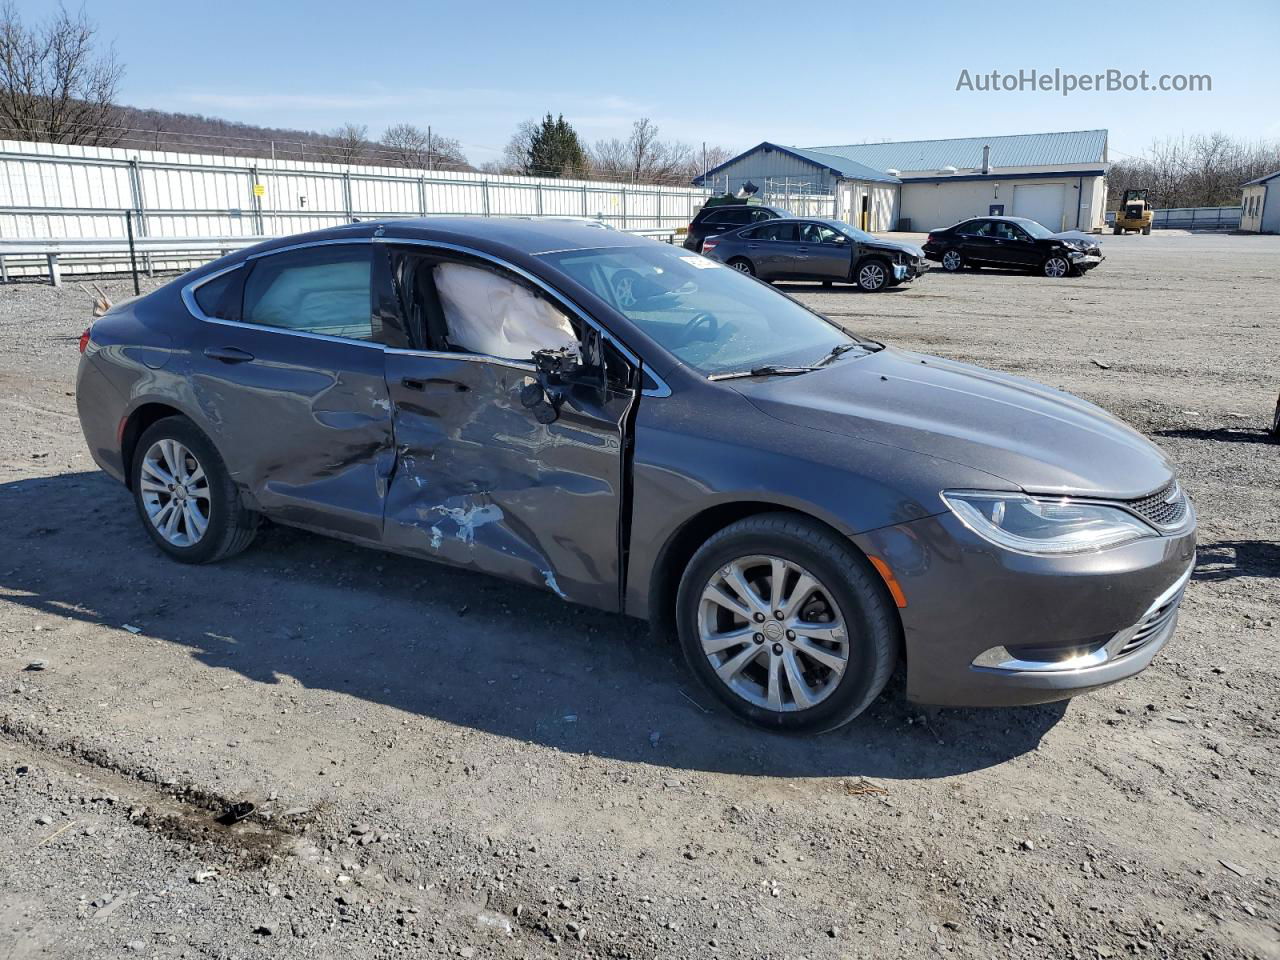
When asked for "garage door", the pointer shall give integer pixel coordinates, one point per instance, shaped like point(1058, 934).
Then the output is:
point(1041, 202)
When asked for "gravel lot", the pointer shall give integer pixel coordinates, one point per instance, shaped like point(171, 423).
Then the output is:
point(447, 765)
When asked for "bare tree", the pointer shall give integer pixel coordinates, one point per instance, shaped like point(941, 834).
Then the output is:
point(1205, 170)
point(347, 144)
point(53, 85)
point(643, 156)
point(411, 146)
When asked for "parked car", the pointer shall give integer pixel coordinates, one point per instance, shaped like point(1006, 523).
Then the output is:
point(715, 219)
point(1013, 243)
point(812, 249)
point(804, 507)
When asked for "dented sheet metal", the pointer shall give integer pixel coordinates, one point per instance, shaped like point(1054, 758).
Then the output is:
point(478, 482)
point(327, 456)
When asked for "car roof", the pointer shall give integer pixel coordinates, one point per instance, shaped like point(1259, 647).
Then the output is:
point(497, 235)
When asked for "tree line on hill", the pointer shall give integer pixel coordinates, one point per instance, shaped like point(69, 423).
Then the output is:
point(1204, 170)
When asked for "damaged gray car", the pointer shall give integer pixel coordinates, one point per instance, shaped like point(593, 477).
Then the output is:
point(638, 428)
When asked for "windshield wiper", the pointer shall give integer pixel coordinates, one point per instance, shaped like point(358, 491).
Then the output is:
point(840, 349)
point(769, 370)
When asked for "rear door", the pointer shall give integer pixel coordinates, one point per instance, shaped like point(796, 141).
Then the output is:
point(977, 242)
point(479, 480)
point(771, 247)
point(288, 373)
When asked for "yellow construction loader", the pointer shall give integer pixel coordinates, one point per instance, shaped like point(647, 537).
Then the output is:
point(1134, 213)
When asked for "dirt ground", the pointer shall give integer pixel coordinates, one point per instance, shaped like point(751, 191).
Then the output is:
point(448, 765)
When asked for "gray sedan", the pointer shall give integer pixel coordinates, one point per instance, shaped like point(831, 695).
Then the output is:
point(640, 429)
point(812, 249)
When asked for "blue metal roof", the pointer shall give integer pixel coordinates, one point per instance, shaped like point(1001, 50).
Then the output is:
point(1269, 176)
point(840, 166)
point(1019, 150)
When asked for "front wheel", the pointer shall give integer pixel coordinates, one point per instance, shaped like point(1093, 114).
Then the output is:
point(873, 275)
point(787, 624)
point(1056, 266)
point(186, 500)
point(952, 260)
point(1146, 231)
point(743, 265)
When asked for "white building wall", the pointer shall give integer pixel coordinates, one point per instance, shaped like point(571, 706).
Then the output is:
point(1251, 202)
point(941, 204)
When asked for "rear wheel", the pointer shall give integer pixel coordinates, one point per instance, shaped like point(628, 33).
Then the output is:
point(1056, 266)
point(952, 260)
point(1146, 231)
point(873, 275)
point(187, 502)
point(786, 624)
point(743, 265)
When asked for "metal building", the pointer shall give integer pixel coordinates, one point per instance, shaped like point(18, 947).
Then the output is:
point(1259, 211)
point(1058, 179)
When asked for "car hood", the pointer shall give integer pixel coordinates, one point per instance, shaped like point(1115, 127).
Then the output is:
point(897, 246)
point(1034, 437)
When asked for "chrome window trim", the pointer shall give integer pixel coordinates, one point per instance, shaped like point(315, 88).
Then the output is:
point(188, 297)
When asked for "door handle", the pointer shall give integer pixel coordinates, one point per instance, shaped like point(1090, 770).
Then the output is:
point(412, 383)
point(228, 354)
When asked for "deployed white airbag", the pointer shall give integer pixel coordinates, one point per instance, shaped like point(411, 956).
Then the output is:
point(487, 313)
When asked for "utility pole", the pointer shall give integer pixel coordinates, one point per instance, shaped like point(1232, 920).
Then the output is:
point(428, 146)
point(704, 164)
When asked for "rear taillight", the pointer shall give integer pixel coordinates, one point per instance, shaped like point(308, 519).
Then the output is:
point(709, 244)
point(84, 339)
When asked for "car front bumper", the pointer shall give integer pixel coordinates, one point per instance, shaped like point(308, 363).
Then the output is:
point(1086, 261)
point(987, 627)
point(908, 271)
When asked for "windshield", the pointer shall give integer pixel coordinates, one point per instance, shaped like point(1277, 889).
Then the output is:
point(1035, 229)
point(851, 231)
point(710, 316)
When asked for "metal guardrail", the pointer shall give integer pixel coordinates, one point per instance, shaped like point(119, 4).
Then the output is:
point(113, 250)
point(1191, 218)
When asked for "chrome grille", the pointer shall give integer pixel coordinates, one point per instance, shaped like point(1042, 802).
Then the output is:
point(1167, 507)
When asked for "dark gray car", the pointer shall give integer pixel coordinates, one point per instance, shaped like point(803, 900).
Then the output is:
point(814, 249)
point(640, 429)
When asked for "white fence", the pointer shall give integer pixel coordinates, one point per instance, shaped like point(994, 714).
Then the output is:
point(53, 191)
point(1192, 218)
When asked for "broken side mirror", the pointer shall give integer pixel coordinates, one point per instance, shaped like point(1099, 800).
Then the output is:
point(553, 369)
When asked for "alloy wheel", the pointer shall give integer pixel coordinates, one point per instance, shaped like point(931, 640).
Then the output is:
point(624, 291)
point(872, 277)
point(773, 633)
point(951, 260)
point(175, 493)
point(1056, 267)
point(741, 266)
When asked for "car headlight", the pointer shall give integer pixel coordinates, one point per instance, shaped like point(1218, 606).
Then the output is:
point(1045, 526)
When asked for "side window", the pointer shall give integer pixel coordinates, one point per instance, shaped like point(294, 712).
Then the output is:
point(220, 297)
point(759, 216)
point(983, 228)
point(974, 228)
point(752, 234)
point(818, 233)
point(786, 232)
point(323, 290)
point(489, 313)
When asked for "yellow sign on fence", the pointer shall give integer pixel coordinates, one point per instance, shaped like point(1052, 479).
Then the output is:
point(259, 189)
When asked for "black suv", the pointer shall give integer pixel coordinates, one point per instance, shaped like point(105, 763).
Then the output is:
point(727, 216)
point(1013, 243)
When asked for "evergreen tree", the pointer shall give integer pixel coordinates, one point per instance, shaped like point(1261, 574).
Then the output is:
point(554, 150)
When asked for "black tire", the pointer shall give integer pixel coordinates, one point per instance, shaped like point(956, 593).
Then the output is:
point(1117, 231)
point(872, 274)
point(1146, 231)
point(872, 625)
point(743, 265)
point(952, 264)
point(1275, 423)
point(231, 528)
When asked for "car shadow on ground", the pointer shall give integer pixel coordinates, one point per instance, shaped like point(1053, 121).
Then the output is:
point(1232, 559)
point(447, 643)
point(1223, 434)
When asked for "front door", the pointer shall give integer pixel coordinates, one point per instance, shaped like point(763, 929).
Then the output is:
point(480, 479)
point(288, 373)
point(823, 252)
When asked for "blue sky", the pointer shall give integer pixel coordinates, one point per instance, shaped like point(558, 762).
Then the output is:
point(812, 74)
